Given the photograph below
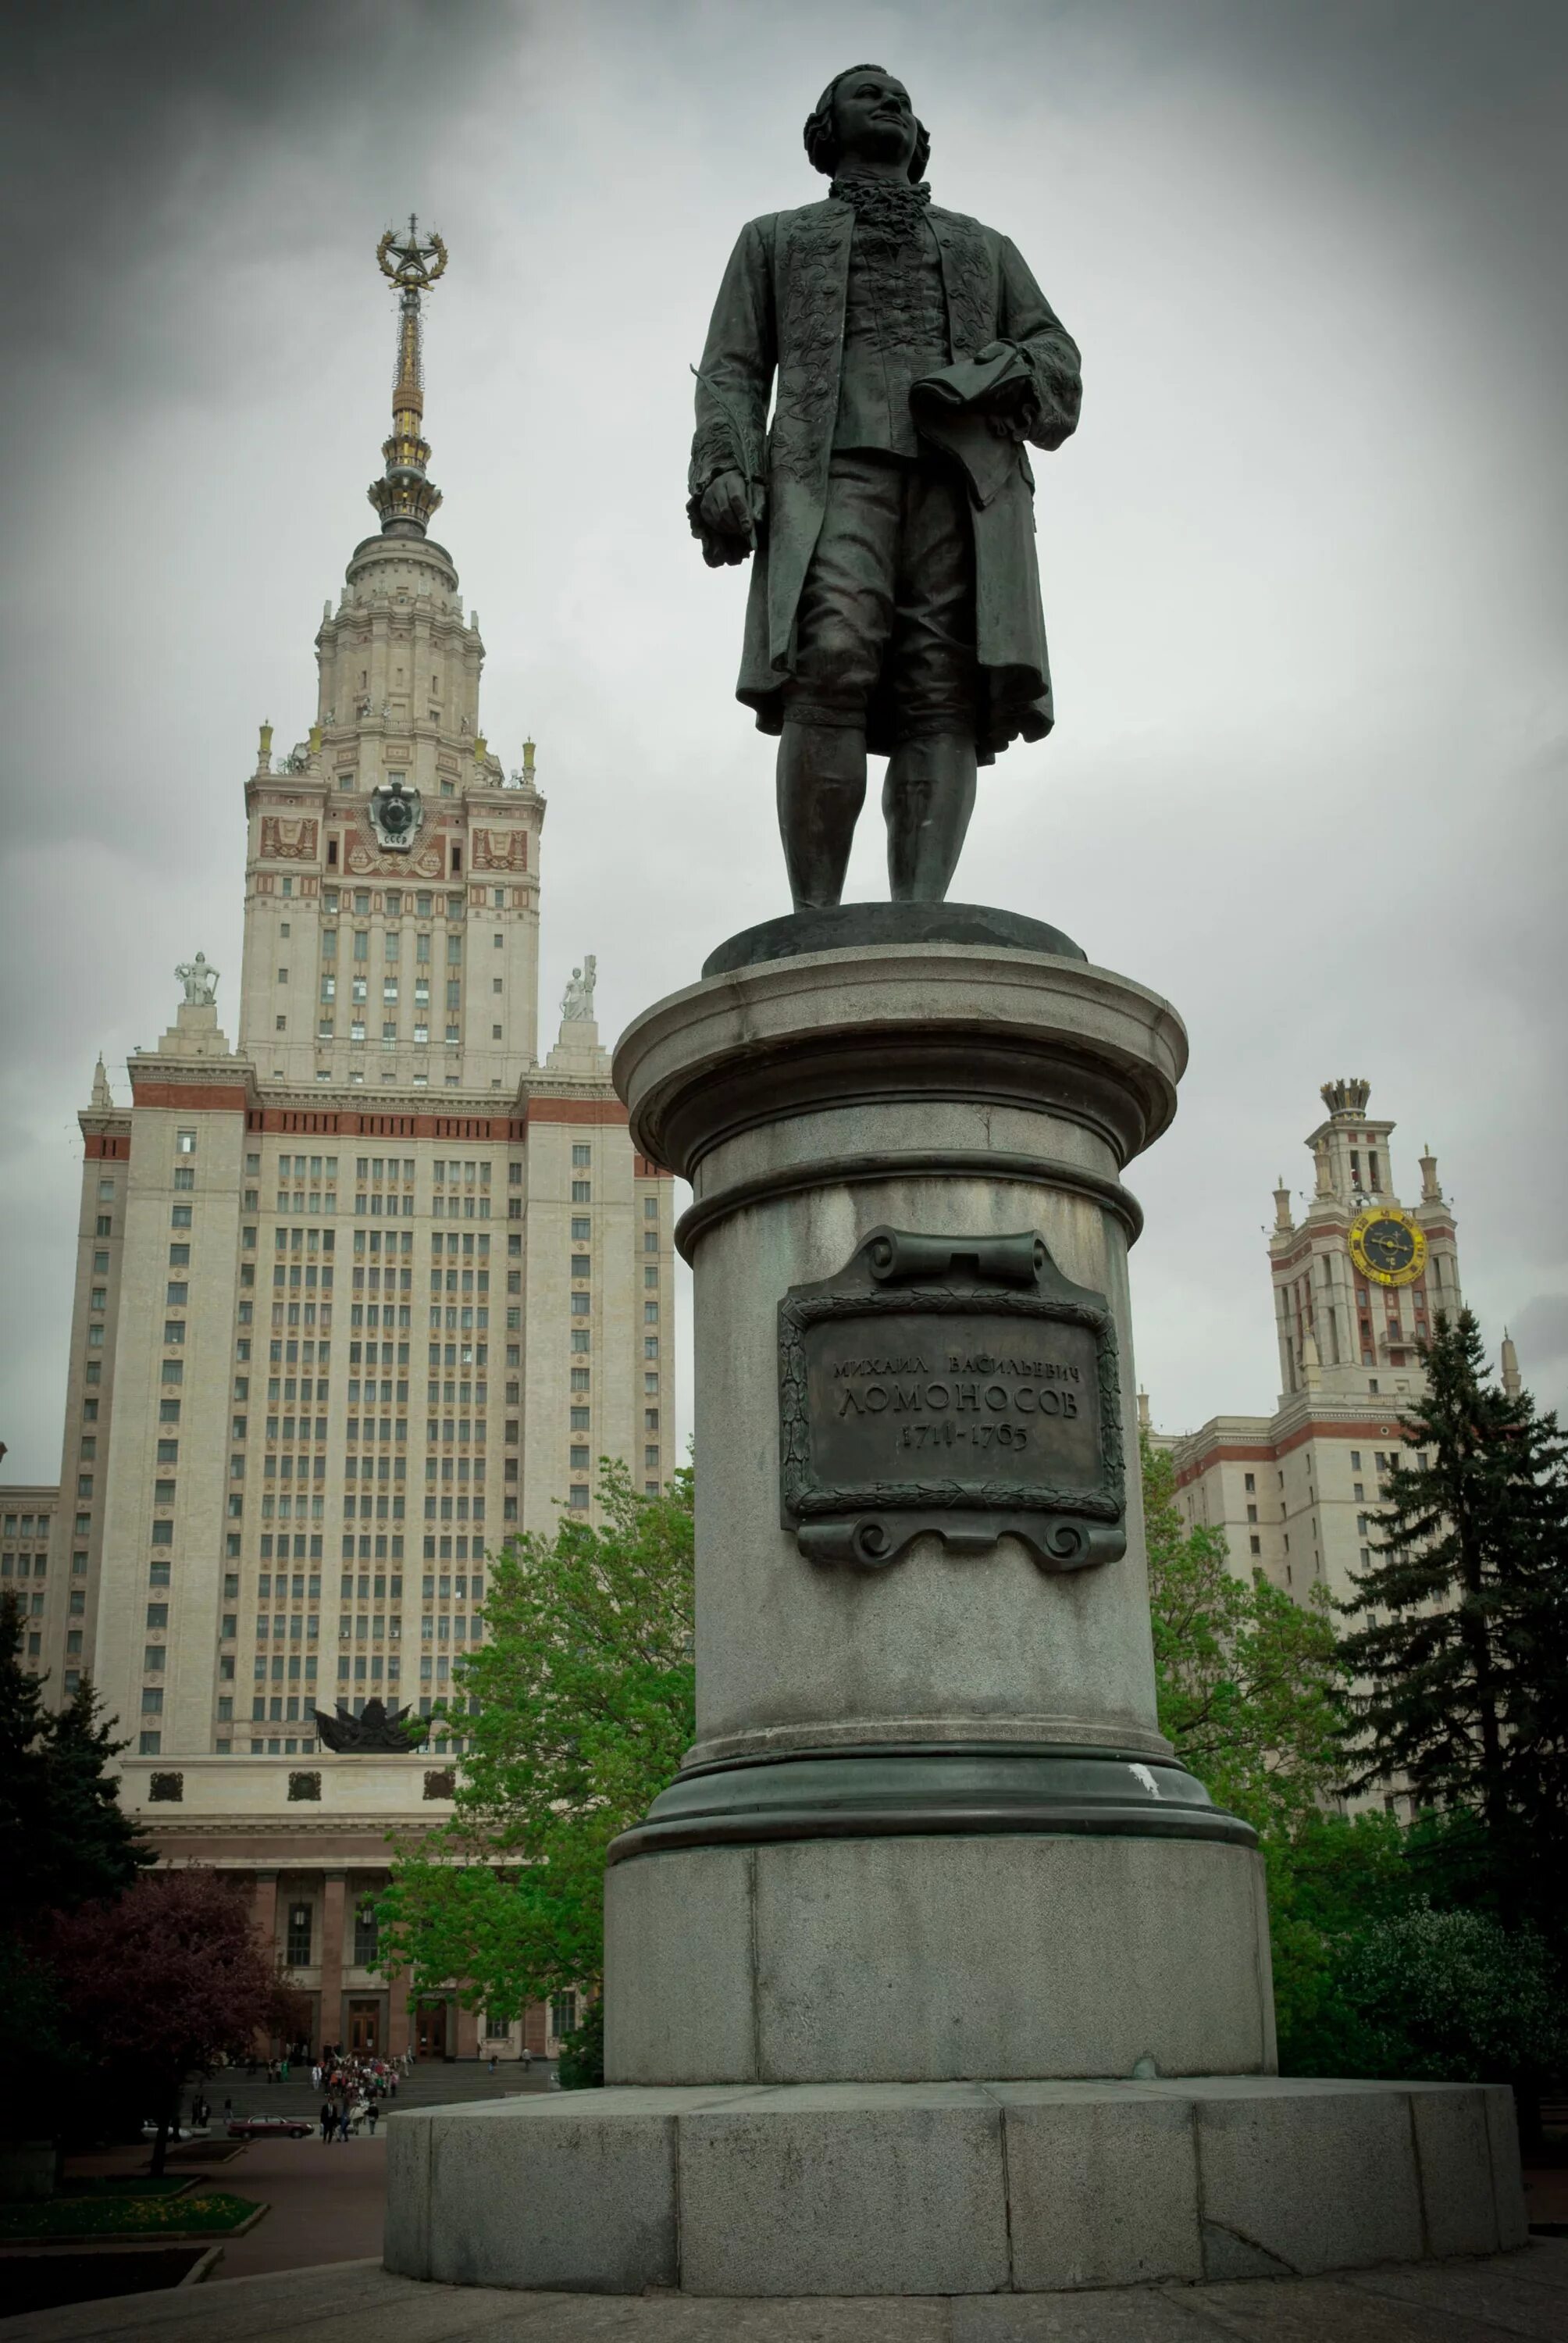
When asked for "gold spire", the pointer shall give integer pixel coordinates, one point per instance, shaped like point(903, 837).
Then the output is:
point(404, 497)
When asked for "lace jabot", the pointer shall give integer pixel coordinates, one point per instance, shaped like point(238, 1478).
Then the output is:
point(891, 204)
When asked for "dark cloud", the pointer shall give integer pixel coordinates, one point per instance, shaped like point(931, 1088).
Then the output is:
point(1303, 563)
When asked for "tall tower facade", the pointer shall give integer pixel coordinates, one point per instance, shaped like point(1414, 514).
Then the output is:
point(360, 1294)
point(1357, 1280)
point(392, 868)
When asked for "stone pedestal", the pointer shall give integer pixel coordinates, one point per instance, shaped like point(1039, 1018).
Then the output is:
point(933, 1972)
point(923, 2188)
point(930, 1829)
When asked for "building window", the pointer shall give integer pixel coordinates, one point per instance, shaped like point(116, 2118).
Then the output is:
point(366, 1932)
point(563, 2015)
point(297, 1947)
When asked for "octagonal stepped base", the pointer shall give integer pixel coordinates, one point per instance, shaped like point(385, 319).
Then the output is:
point(941, 2189)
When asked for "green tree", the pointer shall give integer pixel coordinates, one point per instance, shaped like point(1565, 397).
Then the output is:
point(1462, 1651)
point(580, 1706)
point(1250, 1693)
point(1249, 1682)
point(63, 1836)
point(65, 1841)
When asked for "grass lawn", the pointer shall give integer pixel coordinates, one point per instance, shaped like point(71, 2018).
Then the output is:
point(120, 2215)
point(123, 2183)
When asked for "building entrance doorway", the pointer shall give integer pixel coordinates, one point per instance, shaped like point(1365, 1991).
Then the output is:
point(365, 2028)
point(430, 2038)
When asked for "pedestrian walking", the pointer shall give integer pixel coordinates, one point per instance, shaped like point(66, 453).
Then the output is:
point(329, 2122)
point(370, 2114)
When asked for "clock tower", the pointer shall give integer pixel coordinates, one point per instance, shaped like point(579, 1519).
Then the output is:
point(1359, 1279)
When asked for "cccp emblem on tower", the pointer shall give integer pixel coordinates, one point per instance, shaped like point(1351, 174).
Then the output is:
point(396, 815)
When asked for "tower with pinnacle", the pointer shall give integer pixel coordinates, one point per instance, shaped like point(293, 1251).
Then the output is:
point(1358, 1278)
point(392, 879)
point(361, 1292)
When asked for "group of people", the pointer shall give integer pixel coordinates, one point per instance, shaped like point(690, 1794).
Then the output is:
point(355, 2088)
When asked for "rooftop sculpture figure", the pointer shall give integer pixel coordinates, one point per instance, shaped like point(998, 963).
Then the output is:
point(894, 602)
point(576, 1001)
point(200, 981)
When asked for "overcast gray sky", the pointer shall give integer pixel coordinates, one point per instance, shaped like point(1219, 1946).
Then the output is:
point(1303, 564)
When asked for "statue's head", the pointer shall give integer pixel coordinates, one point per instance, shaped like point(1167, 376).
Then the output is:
point(865, 116)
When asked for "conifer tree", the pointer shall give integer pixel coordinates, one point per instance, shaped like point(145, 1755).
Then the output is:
point(1464, 1621)
point(63, 1836)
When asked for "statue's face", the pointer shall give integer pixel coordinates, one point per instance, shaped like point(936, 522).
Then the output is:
point(873, 120)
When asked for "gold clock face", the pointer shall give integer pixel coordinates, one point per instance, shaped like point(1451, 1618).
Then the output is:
point(1387, 1247)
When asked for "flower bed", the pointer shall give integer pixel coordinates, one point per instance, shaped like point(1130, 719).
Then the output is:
point(125, 2216)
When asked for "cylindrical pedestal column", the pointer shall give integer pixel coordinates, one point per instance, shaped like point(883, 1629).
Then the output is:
point(929, 1828)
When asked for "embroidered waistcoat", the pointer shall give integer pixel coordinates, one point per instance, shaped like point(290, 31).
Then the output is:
point(895, 331)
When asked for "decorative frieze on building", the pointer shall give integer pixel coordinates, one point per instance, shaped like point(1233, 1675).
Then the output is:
point(288, 839)
point(500, 850)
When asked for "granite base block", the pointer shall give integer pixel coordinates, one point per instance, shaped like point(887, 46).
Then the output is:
point(947, 2188)
point(911, 1959)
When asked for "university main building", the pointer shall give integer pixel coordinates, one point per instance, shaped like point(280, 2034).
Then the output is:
point(360, 1291)
point(1358, 1281)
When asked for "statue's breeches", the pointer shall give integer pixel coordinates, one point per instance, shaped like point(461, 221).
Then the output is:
point(887, 613)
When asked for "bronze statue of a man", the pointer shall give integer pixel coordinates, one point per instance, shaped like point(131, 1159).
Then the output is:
point(895, 597)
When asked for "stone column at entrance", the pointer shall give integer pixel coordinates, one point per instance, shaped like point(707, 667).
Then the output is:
point(397, 2027)
point(263, 1906)
point(333, 1901)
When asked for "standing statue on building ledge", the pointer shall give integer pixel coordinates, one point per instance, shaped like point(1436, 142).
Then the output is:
point(576, 1001)
point(200, 982)
point(895, 598)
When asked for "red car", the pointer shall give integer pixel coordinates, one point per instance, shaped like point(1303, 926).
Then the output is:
point(269, 2127)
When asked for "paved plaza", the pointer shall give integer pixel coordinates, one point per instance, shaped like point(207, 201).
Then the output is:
point(1522, 2293)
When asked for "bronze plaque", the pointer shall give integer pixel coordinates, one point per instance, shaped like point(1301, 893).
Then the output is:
point(959, 1388)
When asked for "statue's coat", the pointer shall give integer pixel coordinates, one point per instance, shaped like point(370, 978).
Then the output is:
point(781, 309)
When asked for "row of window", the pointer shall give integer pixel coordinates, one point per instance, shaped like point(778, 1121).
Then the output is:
point(423, 906)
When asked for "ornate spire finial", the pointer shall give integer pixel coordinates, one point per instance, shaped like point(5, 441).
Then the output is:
point(404, 497)
point(102, 1094)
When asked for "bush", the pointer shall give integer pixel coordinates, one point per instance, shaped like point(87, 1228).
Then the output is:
point(1454, 1997)
point(581, 2066)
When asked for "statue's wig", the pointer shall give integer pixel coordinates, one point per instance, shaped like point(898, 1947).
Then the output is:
point(821, 151)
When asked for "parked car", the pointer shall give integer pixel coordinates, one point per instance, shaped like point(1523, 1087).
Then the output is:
point(176, 2132)
point(269, 2127)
